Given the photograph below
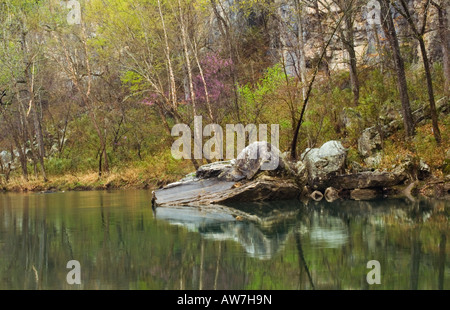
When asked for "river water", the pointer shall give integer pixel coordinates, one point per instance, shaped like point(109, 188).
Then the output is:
point(121, 243)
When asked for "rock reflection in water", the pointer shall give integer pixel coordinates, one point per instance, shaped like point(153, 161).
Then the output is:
point(256, 241)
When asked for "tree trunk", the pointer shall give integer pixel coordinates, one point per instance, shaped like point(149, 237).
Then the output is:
point(444, 34)
point(29, 78)
point(321, 37)
point(352, 65)
point(224, 29)
point(16, 139)
point(205, 85)
point(301, 48)
point(434, 115)
point(173, 89)
point(391, 34)
point(22, 155)
point(310, 86)
point(37, 130)
point(419, 36)
point(348, 40)
point(27, 134)
point(40, 140)
point(186, 54)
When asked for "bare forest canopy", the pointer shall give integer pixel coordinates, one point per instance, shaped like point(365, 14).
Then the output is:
point(97, 85)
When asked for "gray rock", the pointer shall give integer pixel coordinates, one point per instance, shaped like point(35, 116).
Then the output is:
point(413, 170)
point(391, 128)
point(350, 117)
point(424, 113)
point(7, 161)
point(256, 157)
point(324, 163)
point(214, 169)
point(375, 160)
point(370, 142)
point(301, 173)
point(406, 168)
point(424, 171)
point(443, 105)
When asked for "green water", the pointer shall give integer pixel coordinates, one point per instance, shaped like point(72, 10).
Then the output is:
point(121, 243)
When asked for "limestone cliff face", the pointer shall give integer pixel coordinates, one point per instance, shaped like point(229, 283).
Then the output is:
point(298, 27)
point(369, 38)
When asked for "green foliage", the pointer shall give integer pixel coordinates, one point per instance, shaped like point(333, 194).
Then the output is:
point(376, 96)
point(256, 99)
point(59, 166)
point(132, 80)
point(353, 156)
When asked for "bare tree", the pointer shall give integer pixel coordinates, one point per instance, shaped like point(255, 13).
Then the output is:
point(419, 32)
point(77, 67)
point(444, 34)
point(347, 36)
point(225, 28)
point(391, 34)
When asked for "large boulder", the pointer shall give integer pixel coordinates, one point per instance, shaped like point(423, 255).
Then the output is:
point(324, 163)
point(255, 158)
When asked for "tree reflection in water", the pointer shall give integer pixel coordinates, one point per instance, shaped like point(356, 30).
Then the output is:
point(122, 244)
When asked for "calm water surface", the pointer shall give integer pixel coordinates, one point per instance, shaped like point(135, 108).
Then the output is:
point(121, 243)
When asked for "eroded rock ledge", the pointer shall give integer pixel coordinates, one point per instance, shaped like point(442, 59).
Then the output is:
point(321, 174)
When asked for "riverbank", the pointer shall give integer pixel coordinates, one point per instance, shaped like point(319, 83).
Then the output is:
point(125, 178)
point(133, 178)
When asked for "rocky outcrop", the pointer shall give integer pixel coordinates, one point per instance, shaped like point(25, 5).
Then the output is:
point(261, 173)
point(370, 143)
point(203, 192)
point(258, 174)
